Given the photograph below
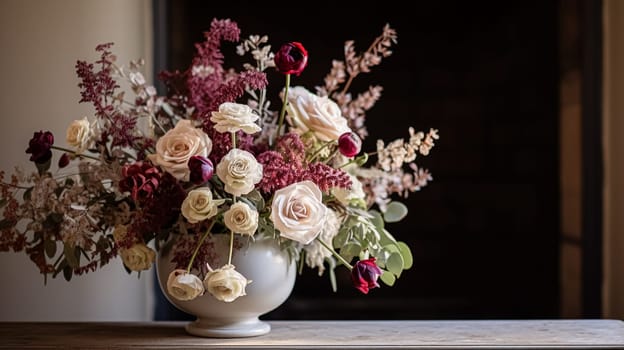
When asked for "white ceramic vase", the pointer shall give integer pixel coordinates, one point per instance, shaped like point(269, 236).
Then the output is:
point(273, 276)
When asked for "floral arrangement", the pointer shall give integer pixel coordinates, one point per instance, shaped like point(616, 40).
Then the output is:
point(211, 156)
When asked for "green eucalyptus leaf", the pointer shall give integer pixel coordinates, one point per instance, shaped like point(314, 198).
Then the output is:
point(395, 264)
point(392, 248)
point(377, 219)
point(72, 255)
point(67, 273)
point(406, 253)
point(342, 237)
point(386, 238)
point(350, 249)
point(387, 278)
point(395, 212)
point(49, 247)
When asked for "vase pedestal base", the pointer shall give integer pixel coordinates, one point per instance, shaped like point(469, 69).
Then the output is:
point(235, 329)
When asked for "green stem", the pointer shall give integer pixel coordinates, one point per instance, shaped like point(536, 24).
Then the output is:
point(74, 152)
point(231, 247)
point(201, 241)
point(283, 111)
point(335, 253)
point(233, 140)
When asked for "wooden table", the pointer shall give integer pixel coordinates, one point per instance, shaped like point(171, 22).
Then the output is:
point(537, 334)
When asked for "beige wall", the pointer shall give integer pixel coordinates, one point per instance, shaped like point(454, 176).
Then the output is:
point(614, 159)
point(40, 42)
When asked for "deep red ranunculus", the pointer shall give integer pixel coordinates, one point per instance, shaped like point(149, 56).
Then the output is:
point(140, 179)
point(291, 58)
point(349, 144)
point(364, 275)
point(201, 169)
point(39, 147)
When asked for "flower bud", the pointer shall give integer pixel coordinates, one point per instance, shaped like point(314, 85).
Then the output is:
point(364, 275)
point(201, 169)
point(63, 161)
point(349, 144)
point(291, 58)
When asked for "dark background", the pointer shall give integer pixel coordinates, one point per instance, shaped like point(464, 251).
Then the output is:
point(485, 233)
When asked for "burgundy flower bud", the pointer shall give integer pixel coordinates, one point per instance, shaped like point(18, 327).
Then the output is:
point(63, 161)
point(39, 147)
point(291, 58)
point(140, 179)
point(364, 275)
point(349, 144)
point(201, 169)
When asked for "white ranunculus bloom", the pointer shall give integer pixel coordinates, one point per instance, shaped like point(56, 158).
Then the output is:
point(225, 284)
point(79, 134)
point(241, 218)
point(315, 252)
point(320, 115)
point(346, 195)
point(298, 211)
point(232, 117)
point(178, 145)
point(184, 286)
point(138, 257)
point(239, 171)
point(199, 205)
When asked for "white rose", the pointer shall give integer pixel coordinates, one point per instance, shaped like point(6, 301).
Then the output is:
point(321, 115)
point(178, 145)
point(240, 171)
point(199, 205)
point(138, 257)
point(225, 284)
point(346, 195)
point(298, 211)
point(232, 117)
point(241, 218)
point(79, 134)
point(184, 286)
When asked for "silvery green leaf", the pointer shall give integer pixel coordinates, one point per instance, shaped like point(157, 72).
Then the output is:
point(395, 212)
point(387, 278)
point(395, 264)
point(49, 247)
point(377, 219)
point(71, 255)
point(406, 253)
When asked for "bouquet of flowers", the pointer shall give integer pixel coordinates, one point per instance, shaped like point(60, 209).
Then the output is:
point(212, 156)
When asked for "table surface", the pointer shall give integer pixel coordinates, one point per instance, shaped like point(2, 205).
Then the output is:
point(469, 334)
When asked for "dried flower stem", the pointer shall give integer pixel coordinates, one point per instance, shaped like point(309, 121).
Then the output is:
point(335, 253)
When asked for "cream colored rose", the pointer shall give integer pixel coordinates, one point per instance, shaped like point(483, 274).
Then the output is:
point(225, 284)
point(239, 171)
point(298, 211)
point(178, 145)
point(321, 115)
point(79, 134)
point(138, 257)
point(241, 218)
point(184, 286)
point(232, 117)
point(199, 205)
point(346, 195)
